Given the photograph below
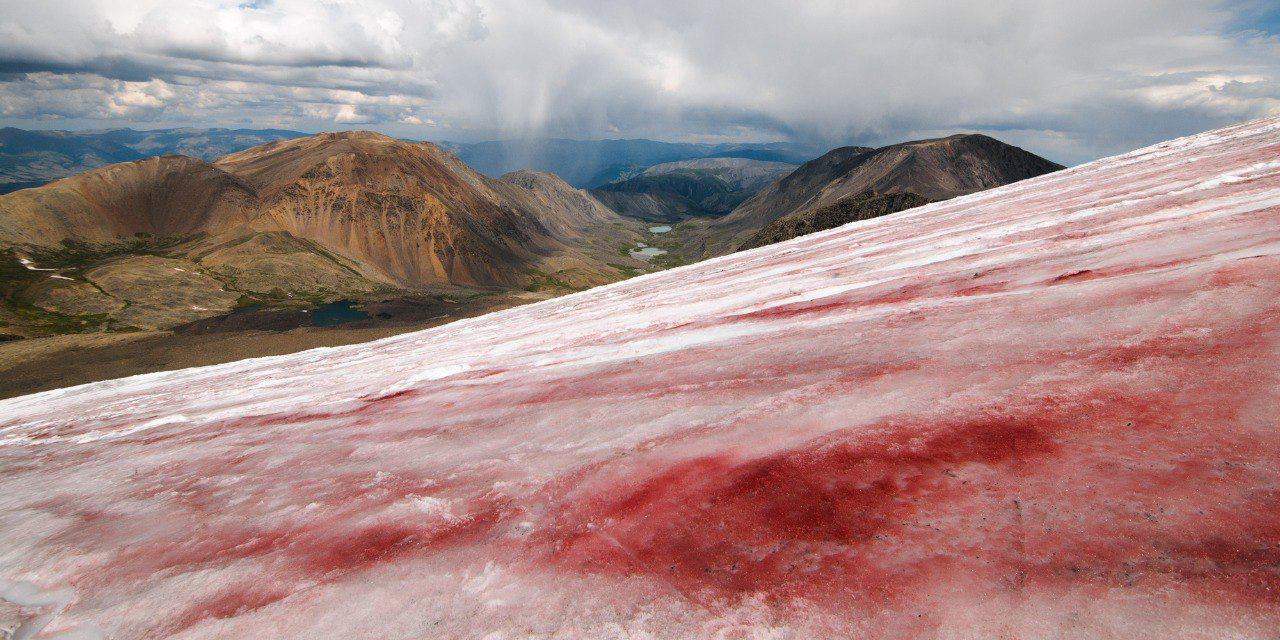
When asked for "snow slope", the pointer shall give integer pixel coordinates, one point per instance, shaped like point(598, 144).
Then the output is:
point(1046, 410)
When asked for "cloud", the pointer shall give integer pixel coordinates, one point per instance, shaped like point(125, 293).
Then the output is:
point(1073, 80)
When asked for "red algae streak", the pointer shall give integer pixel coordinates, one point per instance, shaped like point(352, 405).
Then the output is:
point(883, 516)
point(1047, 410)
point(235, 601)
point(812, 522)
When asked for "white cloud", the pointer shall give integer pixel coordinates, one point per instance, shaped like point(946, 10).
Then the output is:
point(1073, 80)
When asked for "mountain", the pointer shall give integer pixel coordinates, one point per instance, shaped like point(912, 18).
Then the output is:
point(203, 144)
point(671, 191)
point(591, 163)
point(1043, 411)
point(33, 158)
point(741, 174)
point(321, 217)
point(164, 196)
point(855, 208)
point(407, 211)
point(546, 192)
point(936, 169)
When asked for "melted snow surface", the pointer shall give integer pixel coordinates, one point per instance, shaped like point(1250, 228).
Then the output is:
point(1046, 410)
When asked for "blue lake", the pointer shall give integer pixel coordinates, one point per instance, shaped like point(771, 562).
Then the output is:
point(336, 313)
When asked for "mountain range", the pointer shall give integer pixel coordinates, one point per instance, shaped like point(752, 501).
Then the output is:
point(592, 163)
point(32, 158)
point(673, 191)
point(167, 239)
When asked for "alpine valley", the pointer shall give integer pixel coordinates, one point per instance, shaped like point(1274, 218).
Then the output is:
point(214, 258)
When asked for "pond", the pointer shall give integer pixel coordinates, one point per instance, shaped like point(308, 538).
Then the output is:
point(647, 252)
point(335, 313)
point(662, 228)
point(329, 314)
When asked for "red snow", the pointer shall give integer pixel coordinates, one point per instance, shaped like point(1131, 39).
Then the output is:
point(1047, 410)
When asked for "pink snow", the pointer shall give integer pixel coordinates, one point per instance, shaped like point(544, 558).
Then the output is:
point(1047, 410)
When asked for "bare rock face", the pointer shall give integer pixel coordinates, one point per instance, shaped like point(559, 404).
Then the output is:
point(936, 169)
point(397, 208)
point(863, 206)
point(409, 212)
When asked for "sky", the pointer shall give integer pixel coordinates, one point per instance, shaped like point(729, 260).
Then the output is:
point(1072, 81)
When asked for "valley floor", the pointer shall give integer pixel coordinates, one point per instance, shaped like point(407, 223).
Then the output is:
point(41, 364)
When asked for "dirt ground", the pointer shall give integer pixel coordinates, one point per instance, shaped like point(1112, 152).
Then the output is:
point(41, 364)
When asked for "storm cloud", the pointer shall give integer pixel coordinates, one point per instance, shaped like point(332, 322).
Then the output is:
point(1070, 80)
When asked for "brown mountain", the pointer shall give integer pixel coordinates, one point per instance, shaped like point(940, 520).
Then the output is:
point(936, 169)
point(862, 206)
point(164, 196)
point(321, 217)
point(410, 213)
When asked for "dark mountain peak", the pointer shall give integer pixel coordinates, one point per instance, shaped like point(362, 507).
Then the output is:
point(936, 168)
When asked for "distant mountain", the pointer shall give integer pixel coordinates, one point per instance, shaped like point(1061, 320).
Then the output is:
point(203, 144)
point(672, 191)
point(937, 169)
point(592, 163)
point(32, 158)
point(169, 239)
point(863, 206)
point(741, 174)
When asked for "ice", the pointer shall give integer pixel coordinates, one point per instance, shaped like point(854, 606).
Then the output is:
point(1044, 410)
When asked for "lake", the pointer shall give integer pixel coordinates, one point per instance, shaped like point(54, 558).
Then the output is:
point(335, 313)
point(647, 252)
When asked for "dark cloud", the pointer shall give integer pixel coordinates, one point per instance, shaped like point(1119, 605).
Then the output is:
point(1070, 80)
